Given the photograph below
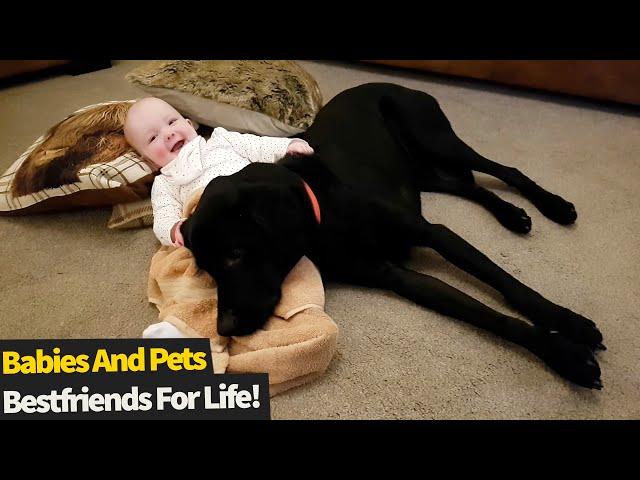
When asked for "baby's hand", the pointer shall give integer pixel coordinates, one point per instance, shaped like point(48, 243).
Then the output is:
point(177, 235)
point(301, 147)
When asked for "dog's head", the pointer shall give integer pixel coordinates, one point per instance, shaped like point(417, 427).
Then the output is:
point(248, 231)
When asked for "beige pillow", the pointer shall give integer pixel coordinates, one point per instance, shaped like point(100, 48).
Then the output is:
point(82, 161)
point(275, 98)
point(131, 215)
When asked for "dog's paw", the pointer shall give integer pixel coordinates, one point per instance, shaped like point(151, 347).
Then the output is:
point(515, 219)
point(579, 329)
point(572, 361)
point(557, 209)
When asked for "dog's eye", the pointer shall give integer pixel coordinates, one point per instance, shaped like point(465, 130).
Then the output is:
point(234, 257)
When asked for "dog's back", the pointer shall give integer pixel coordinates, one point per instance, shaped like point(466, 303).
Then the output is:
point(361, 138)
point(352, 138)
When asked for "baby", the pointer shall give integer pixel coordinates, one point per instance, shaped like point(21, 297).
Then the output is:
point(188, 162)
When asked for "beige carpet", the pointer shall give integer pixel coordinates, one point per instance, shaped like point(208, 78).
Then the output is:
point(67, 276)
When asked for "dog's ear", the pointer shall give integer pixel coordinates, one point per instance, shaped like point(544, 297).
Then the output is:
point(288, 217)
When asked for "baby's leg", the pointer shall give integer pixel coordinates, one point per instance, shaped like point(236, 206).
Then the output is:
point(162, 330)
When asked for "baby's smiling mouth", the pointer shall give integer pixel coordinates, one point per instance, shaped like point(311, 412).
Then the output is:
point(177, 146)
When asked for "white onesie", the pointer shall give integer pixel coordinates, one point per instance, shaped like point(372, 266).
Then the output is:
point(200, 161)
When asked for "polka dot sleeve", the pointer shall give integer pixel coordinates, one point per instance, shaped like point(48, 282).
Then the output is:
point(255, 148)
point(167, 209)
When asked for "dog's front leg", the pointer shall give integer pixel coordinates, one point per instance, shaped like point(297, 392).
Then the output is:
point(573, 361)
point(538, 309)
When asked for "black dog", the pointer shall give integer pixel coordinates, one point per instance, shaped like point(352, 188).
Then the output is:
point(377, 146)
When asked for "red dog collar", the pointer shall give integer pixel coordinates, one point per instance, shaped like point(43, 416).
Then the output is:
point(314, 201)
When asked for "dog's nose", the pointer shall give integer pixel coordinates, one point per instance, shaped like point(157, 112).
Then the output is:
point(226, 323)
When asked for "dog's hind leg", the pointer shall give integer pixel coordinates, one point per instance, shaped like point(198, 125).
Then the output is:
point(538, 309)
point(417, 121)
point(550, 205)
point(509, 216)
point(573, 361)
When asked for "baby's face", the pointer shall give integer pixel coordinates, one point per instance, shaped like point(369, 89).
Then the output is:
point(157, 131)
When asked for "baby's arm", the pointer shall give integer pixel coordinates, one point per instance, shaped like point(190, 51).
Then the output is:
point(167, 211)
point(262, 149)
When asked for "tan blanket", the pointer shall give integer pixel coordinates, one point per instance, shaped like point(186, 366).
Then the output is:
point(296, 344)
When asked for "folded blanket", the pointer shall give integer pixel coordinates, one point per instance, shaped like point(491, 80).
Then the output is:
point(295, 345)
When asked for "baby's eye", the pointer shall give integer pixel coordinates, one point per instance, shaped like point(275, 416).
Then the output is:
point(152, 139)
point(172, 121)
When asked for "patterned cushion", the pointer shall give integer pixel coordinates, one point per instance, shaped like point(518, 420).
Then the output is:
point(82, 161)
point(132, 215)
point(276, 98)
